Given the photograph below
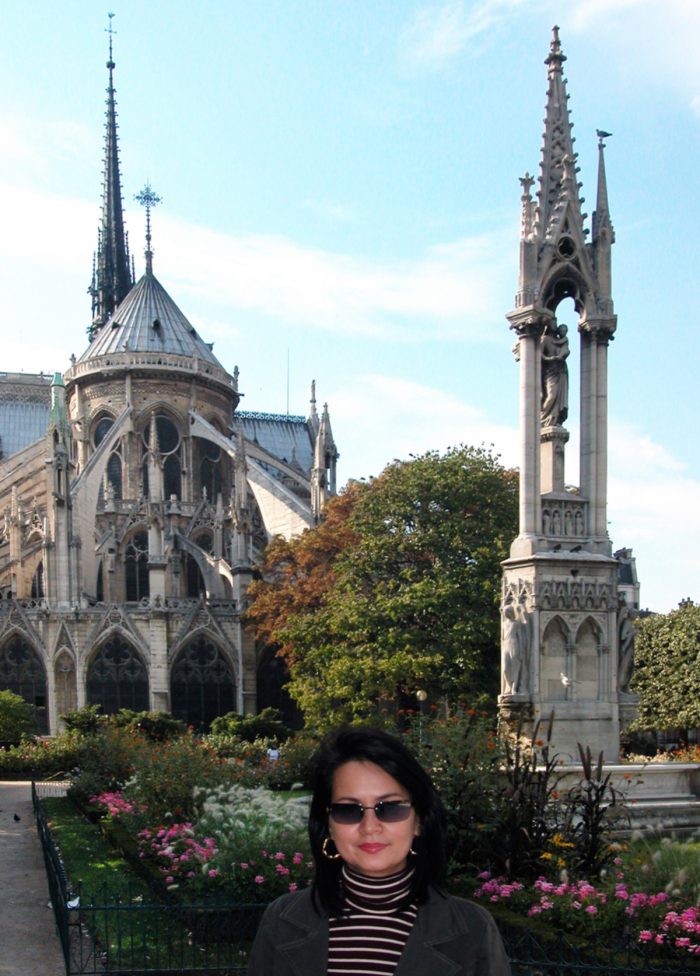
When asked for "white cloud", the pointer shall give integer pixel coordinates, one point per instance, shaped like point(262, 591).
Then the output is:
point(446, 292)
point(381, 417)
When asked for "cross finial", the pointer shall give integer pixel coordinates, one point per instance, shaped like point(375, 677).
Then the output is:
point(148, 198)
point(110, 30)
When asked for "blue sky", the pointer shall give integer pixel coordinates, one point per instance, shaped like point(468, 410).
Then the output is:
point(341, 203)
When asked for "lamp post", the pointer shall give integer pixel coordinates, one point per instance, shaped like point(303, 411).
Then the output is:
point(422, 697)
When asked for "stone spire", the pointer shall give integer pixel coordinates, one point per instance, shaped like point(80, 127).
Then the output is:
point(553, 661)
point(112, 278)
point(603, 232)
point(558, 186)
point(323, 474)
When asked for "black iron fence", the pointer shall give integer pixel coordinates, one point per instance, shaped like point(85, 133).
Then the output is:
point(138, 935)
point(133, 936)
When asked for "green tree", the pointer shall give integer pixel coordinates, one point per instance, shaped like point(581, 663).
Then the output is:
point(408, 597)
point(16, 717)
point(667, 669)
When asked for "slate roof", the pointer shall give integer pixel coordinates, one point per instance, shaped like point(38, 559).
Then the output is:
point(286, 437)
point(148, 320)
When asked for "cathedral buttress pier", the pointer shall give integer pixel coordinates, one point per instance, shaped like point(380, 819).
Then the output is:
point(560, 609)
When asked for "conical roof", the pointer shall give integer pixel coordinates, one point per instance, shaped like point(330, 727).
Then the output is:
point(149, 321)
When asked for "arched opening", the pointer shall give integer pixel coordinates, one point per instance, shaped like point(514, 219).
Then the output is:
point(118, 677)
point(66, 689)
point(210, 469)
point(272, 677)
point(169, 445)
point(554, 661)
point(38, 590)
point(136, 567)
point(114, 477)
point(202, 685)
point(587, 662)
point(22, 672)
point(193, 575)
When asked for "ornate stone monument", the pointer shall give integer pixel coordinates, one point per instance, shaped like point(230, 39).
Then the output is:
point(562, 653)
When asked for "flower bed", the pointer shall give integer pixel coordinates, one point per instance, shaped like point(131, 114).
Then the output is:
point(598, 912)
point(250, 844)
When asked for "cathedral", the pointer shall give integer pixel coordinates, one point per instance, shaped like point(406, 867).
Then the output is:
point(135, 499)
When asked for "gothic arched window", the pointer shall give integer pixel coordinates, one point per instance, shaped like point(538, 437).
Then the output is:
point(169, 443)
point(117, 678)
point(210, 469)
point(202, 685)
point(38, 591)
point(114, 464)
point(193, 574)
point(22, 672)
point(136, 567)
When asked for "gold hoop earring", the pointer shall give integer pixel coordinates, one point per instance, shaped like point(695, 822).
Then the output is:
point(325, 851)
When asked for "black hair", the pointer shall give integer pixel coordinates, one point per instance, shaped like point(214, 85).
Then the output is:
point(374, 745)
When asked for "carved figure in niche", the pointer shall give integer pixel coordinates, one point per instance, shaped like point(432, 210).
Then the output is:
point(625, 645)
point(555, 376)
point(515, 641)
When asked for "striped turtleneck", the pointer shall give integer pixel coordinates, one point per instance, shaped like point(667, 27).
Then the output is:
point(369, 937)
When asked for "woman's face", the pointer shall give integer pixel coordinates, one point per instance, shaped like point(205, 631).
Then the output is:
point(371, 847)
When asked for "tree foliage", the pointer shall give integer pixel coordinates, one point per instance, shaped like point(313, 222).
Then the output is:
point(16, 717)
point(396, 591)
point(667, 669)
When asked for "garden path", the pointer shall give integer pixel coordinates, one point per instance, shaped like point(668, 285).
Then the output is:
point(30, 944)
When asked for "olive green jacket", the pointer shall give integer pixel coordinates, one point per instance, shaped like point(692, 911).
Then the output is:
point(451, 937)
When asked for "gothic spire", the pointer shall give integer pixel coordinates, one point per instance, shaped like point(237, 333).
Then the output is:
point(603, 231)
point(558, 169)
point(112, 277)
point(601, 214)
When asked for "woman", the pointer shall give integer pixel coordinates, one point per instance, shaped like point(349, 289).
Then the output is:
point(377, 830)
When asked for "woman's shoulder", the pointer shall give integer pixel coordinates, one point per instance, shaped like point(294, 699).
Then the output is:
point(442, 906)
point(291, 905)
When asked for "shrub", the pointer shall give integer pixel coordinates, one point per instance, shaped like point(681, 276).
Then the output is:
point(88, 720)
point(165, 774)
point(267, 725)
point(42, 758)
point(108, 763)
point(462, 754)
point(157, 726)
point(16, 718)
point(293, 767)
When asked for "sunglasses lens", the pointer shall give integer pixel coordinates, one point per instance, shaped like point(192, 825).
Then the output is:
point(346, 813)
point(393, 811)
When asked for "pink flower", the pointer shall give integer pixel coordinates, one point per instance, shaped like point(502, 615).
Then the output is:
point(591, 909)
point(645, 936)
point(293, 886)
point(259, 879)
point(213, 873)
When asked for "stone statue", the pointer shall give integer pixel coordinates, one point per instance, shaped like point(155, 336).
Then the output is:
point(625, 646)
point(515, 641)
point(555, 376)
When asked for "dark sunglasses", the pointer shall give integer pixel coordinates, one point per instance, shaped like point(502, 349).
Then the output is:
point(387, 811)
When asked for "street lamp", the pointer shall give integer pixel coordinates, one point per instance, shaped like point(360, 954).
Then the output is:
point(422, 697)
